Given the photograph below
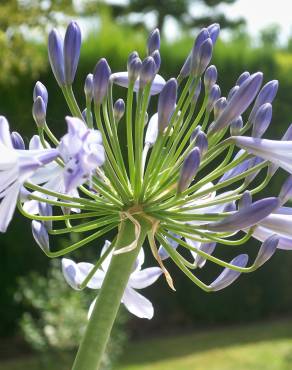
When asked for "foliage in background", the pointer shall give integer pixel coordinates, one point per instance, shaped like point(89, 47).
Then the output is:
point(29, 20)
point(180, 10)
point(55, 318)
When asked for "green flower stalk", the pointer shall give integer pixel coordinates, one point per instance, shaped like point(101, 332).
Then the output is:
point(157, 186)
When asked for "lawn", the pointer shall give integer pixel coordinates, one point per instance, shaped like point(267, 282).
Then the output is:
point(264, 346)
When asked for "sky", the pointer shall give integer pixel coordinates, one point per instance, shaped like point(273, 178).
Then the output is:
point(261, 13)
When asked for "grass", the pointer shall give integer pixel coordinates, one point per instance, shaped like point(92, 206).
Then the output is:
point(263, 346)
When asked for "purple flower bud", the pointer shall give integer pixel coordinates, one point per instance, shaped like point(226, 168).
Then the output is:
point(228, 276)
point(232, 92)
point(286, 191)
point(101, 77)
point(267, 250)
point(235, 126)
point(201, 60)
point(40, 90)
point(56, 57)
point(152, 130)
point(195, 133)
point(157, 59)
point(242, 78)
point(88, 86)
point(72, 45)
point(266, 95)
point(166, 103)
point(196, 92)
point(40, 235)
point(147, 73)
point(239, 101)
point(17, 141)
point(214, 30)
point(119, 110)
point(210, 77)
point(246, 217)
point(219, 106)
point(262, 120)
point(245, 200)
point(46, 209)
point(189, 169)
point(131, 57)
point(200, 39)
point(39, 111)
point(186, 68)
point(134, 69)
point(202, 143)
point(153, 41)
point(214, 95)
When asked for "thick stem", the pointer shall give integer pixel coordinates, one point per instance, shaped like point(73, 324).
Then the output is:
point(103, 316)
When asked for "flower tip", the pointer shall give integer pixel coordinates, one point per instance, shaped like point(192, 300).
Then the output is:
point(88, 86)
point(39, 111)
point(228, 276)
point(153, 41)
point(147, 72)
point(40, 235)
point(56, 56)
point(267, 250)
point(101, 76)
point(119, 109)
point(189, 169)
point(40, 90)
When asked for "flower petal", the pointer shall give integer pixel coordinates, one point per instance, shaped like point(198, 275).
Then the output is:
point(7, 206)
point(144, 278)
point(122, 79)
point(228, 276)
point(137, 304)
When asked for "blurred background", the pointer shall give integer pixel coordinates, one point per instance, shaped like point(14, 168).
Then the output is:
point(247, 326)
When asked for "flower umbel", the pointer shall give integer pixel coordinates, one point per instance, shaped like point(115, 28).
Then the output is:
point(157, 183)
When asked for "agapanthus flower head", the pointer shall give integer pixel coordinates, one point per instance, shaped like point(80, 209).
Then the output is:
point(156, 181)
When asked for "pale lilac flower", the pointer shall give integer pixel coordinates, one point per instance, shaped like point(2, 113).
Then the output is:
point(276, 151)
point(122, 79)
point(138, 305)
point(16, 166)
point(82, 151)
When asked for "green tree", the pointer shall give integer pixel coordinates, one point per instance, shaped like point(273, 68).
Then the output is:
point(180, 10)
point(269, 36)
